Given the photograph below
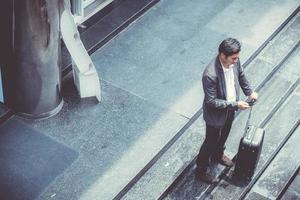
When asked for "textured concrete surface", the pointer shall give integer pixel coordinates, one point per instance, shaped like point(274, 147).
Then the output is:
point(170, 165)
point(255, 196)
point(162, 55)
point(293, 190)
point(30, 161)
point(115, 139)
point(255, 16)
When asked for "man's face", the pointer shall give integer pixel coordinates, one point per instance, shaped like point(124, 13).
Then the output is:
point(229, 60)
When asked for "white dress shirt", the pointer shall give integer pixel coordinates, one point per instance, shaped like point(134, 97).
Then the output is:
point(229, 82)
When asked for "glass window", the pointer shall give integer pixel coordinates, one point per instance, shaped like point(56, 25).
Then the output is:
point(84, 9)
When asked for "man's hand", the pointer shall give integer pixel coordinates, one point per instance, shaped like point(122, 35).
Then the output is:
point(253, 95)
point(243, 105)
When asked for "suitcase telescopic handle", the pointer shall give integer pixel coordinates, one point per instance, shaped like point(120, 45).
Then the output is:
point(251, 104)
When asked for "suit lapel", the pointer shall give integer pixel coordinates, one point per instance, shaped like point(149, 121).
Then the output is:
point(236, 80)
point(221, 77)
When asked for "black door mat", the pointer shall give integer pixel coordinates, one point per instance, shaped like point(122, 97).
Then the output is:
point(29, 160)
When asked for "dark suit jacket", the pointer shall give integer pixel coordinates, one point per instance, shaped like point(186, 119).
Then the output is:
point(215, 106)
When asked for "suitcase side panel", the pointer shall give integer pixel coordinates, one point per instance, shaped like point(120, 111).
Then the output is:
point(249, 153)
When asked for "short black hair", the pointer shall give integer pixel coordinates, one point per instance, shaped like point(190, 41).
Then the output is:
point(229, 46)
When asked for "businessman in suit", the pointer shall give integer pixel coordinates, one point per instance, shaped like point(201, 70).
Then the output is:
point(222, 80)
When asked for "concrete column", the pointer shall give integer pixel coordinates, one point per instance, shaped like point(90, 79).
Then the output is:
point(33, 79)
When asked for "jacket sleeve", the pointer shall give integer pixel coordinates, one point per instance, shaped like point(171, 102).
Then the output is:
point(211, 100)
point(244, 83)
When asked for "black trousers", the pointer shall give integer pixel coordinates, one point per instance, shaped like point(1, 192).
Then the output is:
point(214, 143)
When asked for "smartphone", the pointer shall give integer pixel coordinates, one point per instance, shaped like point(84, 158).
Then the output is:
point(251, 102)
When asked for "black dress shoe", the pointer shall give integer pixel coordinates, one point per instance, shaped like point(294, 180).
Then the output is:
point(207, 177)
point(224, 160)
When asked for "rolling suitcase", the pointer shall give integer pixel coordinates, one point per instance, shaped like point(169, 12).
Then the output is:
point(249, 150)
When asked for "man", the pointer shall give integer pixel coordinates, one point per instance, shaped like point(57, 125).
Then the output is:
point(221, 80)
